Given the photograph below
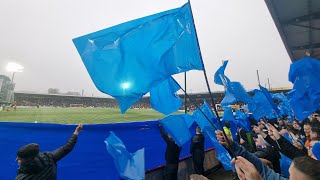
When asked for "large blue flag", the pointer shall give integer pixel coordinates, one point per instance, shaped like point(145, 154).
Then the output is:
point(164, 98)
point(263, 105)
point(201, 120)
point(228, 99)
point(237, 90)
point(129, 165)
point(220, 74)
point(177, 127)
point(305, 97)
point(127, 60)
point(270, 100)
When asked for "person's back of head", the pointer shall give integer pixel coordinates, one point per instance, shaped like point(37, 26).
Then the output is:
point(228, 125)
point(305, 168)
point(198, 130)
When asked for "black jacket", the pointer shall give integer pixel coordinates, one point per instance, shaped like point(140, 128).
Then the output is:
point(44, 165)
point(286, 148)
point(172, 150)
point(197, 146)
point(270, 154)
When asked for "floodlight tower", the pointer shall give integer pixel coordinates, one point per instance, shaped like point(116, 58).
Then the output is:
point(13, 67)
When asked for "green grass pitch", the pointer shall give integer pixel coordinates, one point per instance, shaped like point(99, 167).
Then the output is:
point(77, 115)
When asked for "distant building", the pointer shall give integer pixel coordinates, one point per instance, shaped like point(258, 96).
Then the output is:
point(53, 91)
point(6, 89)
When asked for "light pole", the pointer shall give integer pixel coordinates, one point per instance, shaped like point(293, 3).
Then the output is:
point(12, 67)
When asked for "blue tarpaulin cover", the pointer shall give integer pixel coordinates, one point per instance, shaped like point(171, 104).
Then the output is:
point(89, 159)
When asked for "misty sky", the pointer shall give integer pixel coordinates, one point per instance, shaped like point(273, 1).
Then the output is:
point(38, 35)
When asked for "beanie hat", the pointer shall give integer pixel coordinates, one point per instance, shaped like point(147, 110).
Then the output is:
point(28, 151)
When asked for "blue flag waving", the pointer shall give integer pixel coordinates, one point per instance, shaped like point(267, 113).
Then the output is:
point(164, 98)
point(305, 95)
point(127, 60)
point(228, 99)
point(270, 100)
point(201, 120)
point(129, 165)
point(177, 127)
point(220, 74)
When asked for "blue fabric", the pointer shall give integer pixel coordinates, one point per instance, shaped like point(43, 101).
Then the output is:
point(262, 104)
point(285, 164)
point(164, 98)
point(125, 61)
point(89, 159)
point(279, 96)
point(228, 99)
point(129, 166)
point(201, 120)
point(284, 105)
point(221, 153)
point(305, 97)
point(316, 150)
point(220, 73)
point(242, 120)
point(237, 90)
point(270, 100)
point(228, 114)
point(177, 128)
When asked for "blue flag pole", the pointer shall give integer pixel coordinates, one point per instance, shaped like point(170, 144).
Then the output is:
point(207, 82)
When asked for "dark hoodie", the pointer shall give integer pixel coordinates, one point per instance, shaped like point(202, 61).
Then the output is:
point(43, 166)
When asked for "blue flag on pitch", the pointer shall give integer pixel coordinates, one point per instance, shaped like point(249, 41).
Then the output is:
point(177, 127)
point(125, 61)
point(220, 74)
point(129, 165)
point(305, 96)
point(164, 98)
point(201, 120)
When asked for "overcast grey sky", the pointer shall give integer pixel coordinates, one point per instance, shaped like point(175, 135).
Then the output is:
point(38, 35)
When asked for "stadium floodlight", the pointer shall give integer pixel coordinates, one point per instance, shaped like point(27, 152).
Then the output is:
point(14, 67)
point(125, 85)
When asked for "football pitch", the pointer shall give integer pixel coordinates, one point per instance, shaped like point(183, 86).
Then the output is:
point(77, 115)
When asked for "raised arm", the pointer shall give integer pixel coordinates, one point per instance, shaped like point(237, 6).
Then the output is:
point(61, 152)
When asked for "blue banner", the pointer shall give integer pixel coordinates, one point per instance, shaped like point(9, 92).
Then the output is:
point(89, 159)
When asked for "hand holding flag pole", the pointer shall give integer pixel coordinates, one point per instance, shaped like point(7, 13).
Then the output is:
point(269, 98)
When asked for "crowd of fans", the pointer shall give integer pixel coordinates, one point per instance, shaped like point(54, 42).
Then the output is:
point(268, 142)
